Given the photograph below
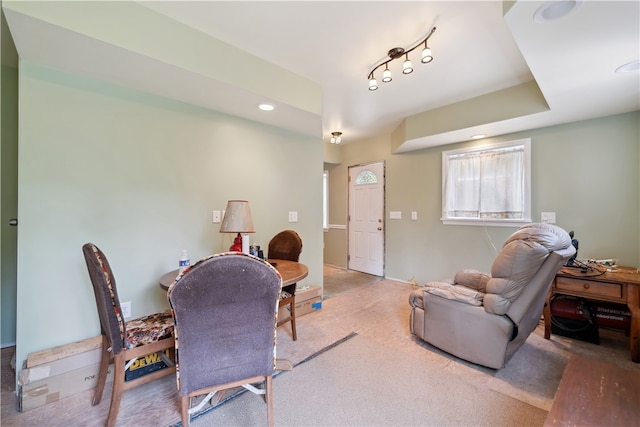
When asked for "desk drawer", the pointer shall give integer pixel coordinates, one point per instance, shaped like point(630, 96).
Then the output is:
point(588, 288)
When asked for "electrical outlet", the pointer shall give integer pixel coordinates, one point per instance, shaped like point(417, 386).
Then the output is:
point(126, 309)
point(414, 215)
point(216, 217)
point(293, 216)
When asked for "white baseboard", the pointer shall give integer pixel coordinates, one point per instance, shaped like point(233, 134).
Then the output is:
point(398, 280)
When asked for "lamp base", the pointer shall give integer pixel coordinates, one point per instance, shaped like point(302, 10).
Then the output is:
point(237, 244)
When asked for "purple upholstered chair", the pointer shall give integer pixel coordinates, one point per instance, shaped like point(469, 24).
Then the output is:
point(225, 312)
point(124, 341)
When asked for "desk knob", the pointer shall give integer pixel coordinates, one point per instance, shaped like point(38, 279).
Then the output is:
point(586, 285)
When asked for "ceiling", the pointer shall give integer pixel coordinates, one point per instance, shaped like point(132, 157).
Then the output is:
point(479, 52)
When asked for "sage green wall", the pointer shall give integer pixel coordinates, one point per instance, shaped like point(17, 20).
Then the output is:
point(139, 176)
point(587, 172)
point(8, 204)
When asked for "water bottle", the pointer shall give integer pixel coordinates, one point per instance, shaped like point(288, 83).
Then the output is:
point(184, 260)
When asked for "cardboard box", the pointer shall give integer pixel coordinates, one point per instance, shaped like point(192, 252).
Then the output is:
point(60, 352)
point(304, 293)
point(59, 367)
point(52, 389)
point(63, 371)
point(59, 372)
point(308, 299)
point(307, 306)
point(59, 360)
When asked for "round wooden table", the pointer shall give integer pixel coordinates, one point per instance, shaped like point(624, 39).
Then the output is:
point(291, 272)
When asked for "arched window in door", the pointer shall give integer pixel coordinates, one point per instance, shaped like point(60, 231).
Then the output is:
point(366, 177)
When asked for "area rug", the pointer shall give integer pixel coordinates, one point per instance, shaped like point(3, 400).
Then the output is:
point(359, 382)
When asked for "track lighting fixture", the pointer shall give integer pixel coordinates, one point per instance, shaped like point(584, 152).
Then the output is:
point(407, 67)
point(336, 137)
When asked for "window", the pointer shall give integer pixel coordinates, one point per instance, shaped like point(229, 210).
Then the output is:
point(325, 200)
point(366, 177)
point(489, 185)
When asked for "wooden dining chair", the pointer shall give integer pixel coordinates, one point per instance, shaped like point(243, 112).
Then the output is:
point(224, 308)
point(287, 245)
point(123, 341)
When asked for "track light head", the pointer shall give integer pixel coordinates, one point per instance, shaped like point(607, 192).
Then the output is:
point(386, 75)
point(373, 84)
point(407, 68)
point(426, 54)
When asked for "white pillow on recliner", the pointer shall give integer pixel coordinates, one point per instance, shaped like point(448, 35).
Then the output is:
point(473, 279)
point(453, 292)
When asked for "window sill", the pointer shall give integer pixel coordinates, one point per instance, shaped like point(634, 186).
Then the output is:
point(486, 223)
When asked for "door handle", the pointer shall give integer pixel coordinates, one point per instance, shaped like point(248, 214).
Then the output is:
point(379, 228)
point(13, 222)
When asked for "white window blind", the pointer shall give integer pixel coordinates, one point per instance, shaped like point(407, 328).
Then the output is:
point(487, 185)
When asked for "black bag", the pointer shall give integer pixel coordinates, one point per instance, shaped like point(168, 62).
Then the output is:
point(574, 317)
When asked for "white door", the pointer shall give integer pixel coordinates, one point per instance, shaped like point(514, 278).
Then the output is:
point(366, 218)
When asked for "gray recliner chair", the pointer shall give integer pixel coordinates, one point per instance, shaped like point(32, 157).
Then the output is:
point(485, 318)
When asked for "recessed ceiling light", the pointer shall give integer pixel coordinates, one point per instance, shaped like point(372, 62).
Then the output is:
point(266, 107)
point(479, 136)
point(552, 10)
point(629, 67)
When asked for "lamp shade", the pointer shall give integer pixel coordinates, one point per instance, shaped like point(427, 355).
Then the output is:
point(237, 218)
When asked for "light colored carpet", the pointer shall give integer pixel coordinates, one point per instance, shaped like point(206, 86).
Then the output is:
point(362, 383)
point(378, 312)
point(337, 280)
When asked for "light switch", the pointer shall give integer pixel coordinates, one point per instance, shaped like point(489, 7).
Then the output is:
point(293, 216)
point(216, 217)
point(548, 217)
point(414, 215)
point(395, 215)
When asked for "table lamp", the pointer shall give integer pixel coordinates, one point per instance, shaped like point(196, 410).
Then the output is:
point(237, 219)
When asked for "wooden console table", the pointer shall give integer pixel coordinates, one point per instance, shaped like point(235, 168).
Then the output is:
point(594, 393)
point(620, 286)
